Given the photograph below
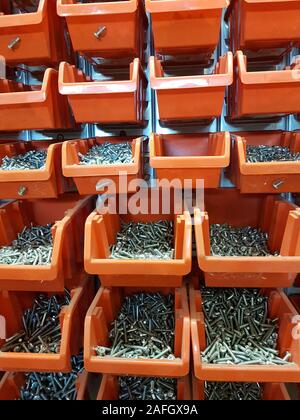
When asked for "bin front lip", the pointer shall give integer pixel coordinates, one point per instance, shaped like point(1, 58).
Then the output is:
point(99, 8)
point(34, 18)
point(161, 6)
point(99, 87)
point(76, 170)
point(264, 168)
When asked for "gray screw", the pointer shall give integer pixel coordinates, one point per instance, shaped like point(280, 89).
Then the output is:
point(107, 154)
point(34, 159)
point(277, 184)
point(233, 391)
point(22, 191)
point(14, 43)
point(143, 389)
point(264, 153)
point(101, 32)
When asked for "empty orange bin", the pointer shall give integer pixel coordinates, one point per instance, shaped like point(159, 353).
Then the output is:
point(267, 27)
point(100, 234)
point(190, 157)
point(109, 389)
point(105, 29)
point(278, 91)
point(104, 310)
point(25, 107)
point(279, 218)
point(270, 392)
point(112, 101)
point(189, 27)
point(266, 177)
point(279, 307)
point(34, 37)
point(46, 182)
point(86, 177)
point(191, 97)
point(12, 307)
point(68, 215)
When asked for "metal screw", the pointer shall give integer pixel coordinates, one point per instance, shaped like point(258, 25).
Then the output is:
point(101, 32)
point(277, 184)
point(34, 159)
point(22, 191)
point(233, 391)
point(138, 388)
point(107, 154)
point(264, 153)
point(14, 43)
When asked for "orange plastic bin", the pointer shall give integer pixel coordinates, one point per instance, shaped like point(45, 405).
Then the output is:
point(25, 107)
point(104, 310)
point(112, 101)
point(100, 235)
point(268, 27)
point(279, 307)
point(266, 177)
point(105, 29)
point(278, 91)
point(68, 215)
point(86, 177)
point(34, 38)
point(191, 97)
point(189, 27)
point(109, 389)
point(279, 218)
point(190, 157)
point(47, 182)
point(12, 307)
point(271, 392)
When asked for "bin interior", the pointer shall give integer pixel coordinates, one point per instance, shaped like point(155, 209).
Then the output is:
point(21, 6)
point(20, 148)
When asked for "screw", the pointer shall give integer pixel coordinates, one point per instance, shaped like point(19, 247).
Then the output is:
point(101, 32)
point(139, 388)
point(14, 43)
point(233, 391)
point(34, 159)
point(277, 184)
point(22, 191)
point(107, 154)
point(270, 154)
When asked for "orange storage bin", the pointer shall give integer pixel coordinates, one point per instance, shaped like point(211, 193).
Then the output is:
point(189, 27)
point(68, 215)
point(86, 177)
point(105, 29)
point(267, 177)
point(271, 392)
point(104, 310)
point(25, 107)
point(100, 235)
point(190, 157)
point(279, 218)
point(278, 91)
point(267, 27)
point(116, 101)
point(12, 382)
point(12, 307)
point(191, 97)
point(109, 389)
point(47, 182)
point(34, 38)
point(279, 307)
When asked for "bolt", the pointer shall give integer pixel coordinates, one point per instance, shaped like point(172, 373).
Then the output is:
point(140, 388)
point(32, 160)
point(101, 32)
point(107, 154)
point(14, 43)
point(22, 191)
point(264, 153)
point(277, 184)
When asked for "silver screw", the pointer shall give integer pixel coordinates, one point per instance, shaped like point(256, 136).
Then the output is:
point(101, 32)
point(14, 43)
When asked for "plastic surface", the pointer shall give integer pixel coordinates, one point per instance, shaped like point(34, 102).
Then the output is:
point(41, 33)
point(117, 101)
point(271, 392)
point(279, 218)
point(100, 234)
point(104, 310)
point(191, 97)
point(278, 90)
point(86, 177)
point(47, 182)
point(68, 215)
point(279, 307)
point(124, 23)
point(268, 177)
point(24, 107)
point(12, 307)
point(109, 388)
point(185, 26)
point(190, 157)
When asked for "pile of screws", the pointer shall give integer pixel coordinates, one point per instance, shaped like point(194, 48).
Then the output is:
point(34, 159)
point(145, 389)
point(144, 328)
point(229, 241)
point(144, 241)
point(238, 329)
point(41, 327)
point(258, 154)
point(233, 391)
point(107, 154)
point(52, 386)
point(33, 246)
